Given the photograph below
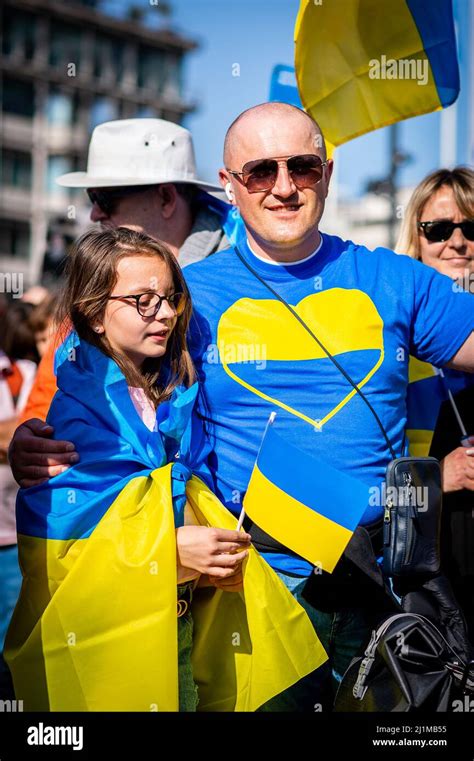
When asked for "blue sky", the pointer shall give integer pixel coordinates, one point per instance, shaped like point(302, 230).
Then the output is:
point(256, 35)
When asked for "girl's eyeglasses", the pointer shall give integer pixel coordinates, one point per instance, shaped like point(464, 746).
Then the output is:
point(148, 304)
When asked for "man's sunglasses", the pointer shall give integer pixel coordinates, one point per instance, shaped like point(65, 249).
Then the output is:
point(148, 304)
point(261, 174)
point(436, 232)
point(107, 198)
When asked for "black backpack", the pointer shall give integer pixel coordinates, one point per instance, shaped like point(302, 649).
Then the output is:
point(408, 665)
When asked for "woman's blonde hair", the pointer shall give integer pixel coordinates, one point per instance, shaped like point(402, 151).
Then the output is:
point(91, 275)
point(460, 179)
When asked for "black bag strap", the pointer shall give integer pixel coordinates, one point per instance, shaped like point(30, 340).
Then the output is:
point(321, 346)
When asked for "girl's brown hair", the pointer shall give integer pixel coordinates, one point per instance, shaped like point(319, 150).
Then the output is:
point(460, 179)
point(91, 275)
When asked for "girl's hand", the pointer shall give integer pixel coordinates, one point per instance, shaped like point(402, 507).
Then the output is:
point(234, 583)
point(207, 550)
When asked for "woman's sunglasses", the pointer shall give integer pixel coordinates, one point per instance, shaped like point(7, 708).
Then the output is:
point(261, 174)
point(436, 232)
point(149, 304)
point(108, 198)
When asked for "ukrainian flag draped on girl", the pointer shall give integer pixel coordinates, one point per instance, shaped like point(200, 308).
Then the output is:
point(95, 627)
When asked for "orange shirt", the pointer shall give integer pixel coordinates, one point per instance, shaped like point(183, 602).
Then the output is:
point(44, 387)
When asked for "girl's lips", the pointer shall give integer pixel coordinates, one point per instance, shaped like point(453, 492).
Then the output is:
point(160, 337)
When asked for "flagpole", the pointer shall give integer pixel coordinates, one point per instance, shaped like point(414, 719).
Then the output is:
point(455, 408)
point(270, 421)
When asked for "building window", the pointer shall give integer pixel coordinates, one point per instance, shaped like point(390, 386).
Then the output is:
point(57, 165)
point(16, 169)
point(65, 45)
point(172, 86)
point(103, 110)
point(14, 239)
point(18, 97)
point(151, 69)
point(108, 59)
point(145, 112)
point(19, 31)
point(60, 108)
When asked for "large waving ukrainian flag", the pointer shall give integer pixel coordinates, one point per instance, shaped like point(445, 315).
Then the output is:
point(95, 627)
point(365, 64)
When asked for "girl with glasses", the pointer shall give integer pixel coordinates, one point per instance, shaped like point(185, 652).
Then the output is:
point(127, 393)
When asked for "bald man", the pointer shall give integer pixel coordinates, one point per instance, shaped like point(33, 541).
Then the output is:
point(371, 309)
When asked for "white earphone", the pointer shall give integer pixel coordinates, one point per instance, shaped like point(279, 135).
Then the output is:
point(228, 191)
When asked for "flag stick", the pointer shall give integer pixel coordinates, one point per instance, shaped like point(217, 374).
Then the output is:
point(453, 404)
point(269, 423)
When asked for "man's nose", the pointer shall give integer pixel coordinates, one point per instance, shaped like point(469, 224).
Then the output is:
point(97, 214)
point(284, 185)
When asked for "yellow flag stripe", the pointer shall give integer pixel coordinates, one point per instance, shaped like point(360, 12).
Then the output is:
point(311, 535)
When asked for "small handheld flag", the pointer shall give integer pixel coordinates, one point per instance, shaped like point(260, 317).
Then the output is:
point(304, 503)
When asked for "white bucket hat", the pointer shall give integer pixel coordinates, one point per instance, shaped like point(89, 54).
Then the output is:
point(138, 152)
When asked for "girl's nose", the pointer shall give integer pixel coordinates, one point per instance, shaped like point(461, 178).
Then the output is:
point(166, 311)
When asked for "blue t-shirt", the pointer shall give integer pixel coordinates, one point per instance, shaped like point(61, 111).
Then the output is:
point(371, 310)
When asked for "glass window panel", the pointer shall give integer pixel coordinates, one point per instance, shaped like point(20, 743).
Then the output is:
point(60, 108)
point(65, 45)
point(18, 97)
point(19, 30)
point(57, 165)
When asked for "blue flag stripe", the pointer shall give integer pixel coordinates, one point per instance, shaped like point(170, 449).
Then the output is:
point(314, 483)
point(434, 21)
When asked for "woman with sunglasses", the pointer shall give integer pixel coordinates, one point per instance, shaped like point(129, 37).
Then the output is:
point(438, 230)
point(438, 226)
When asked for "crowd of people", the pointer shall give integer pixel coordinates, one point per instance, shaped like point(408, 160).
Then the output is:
point(128, 384)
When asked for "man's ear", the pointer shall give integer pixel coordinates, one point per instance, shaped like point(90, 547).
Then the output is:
point(329, 170)
point(223, 177)
point(167, 199)
point(224, 180)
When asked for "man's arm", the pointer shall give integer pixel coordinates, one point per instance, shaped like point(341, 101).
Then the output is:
point(34, 456)
point(464, 358)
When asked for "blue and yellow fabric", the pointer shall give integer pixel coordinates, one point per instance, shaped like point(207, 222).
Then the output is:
point(232, 222)
point(427, 390)
point(368, 45)
point(95, 627)
point(303, 502)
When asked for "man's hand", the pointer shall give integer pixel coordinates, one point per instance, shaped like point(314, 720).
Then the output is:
point(208, 550)
point(34, 456)
point(457, 469)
